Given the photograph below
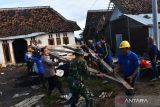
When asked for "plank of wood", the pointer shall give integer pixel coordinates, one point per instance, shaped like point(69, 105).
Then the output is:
point(58, 50)
point(68, 47)
point(60, 58)
point(107, 77)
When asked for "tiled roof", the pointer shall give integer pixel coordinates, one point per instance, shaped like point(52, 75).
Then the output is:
point(97, 18)
point(135, 6)
point(94, 16)
point(27, 20)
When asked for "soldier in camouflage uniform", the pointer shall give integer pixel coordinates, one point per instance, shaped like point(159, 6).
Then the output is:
point(77, 73)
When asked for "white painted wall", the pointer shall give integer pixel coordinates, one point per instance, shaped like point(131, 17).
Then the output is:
point(71, 38)
point(44, 39)
point(2, 60)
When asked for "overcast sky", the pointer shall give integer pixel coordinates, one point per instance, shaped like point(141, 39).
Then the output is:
point(75, 10)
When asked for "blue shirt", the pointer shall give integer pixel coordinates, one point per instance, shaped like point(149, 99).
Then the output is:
point(153, 50)
point(129, 63)
point(39, 64)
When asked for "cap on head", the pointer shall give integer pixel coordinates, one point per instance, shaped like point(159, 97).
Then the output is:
point(124, 44)
point(79, 52)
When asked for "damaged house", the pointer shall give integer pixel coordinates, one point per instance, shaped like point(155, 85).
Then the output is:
point(20, 27)
point(94, 21)
point(129, 20)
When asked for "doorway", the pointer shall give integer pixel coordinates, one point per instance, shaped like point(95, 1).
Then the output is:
point(19, 49)
point(6, 51)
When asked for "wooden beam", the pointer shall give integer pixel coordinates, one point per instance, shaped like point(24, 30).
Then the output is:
point(58, 50)
point(60, 58)
point(68, 47)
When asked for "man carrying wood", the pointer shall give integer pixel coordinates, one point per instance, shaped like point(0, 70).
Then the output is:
point(77, 73)
point(128, 63)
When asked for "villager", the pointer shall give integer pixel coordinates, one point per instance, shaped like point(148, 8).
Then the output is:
point(153, 57)
point(28, 59)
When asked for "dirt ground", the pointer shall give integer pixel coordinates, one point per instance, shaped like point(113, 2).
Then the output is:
point(16, 81)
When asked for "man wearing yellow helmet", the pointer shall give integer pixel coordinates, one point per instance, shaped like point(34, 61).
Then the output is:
point(128, 62)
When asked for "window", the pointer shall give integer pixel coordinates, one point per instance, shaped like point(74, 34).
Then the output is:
point(33, 38)
point(33, 41)
point(58, 39)
point(50, 36)
point(51, 41)
point(65, 39)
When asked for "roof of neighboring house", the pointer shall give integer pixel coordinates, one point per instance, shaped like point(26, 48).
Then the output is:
point(146, 19)
point(27, 20)
point(135, 6)
point(97, 18)
point(94, 16)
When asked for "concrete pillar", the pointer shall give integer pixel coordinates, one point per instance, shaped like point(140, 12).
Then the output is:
point(61, 36)
point(11, 52)
point(2, 59)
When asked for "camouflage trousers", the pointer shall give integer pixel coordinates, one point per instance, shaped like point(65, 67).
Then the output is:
point(79, 89)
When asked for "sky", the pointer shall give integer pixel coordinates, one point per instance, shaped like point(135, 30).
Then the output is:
point(75, 10)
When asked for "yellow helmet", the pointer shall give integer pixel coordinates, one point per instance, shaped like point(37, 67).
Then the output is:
point(124, 44)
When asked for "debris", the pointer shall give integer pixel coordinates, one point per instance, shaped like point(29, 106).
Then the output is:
point(105, 81)
point(59, 73)
point(29, 102)
point(66, 97)
point(69, 105)
point(35, 76)
point(105, 95)
point(2, 73)
point(19, 95)
point(35, 87)
point(102, 95)
point(110, 94)
point(1, 92)
point(3, 83)
point(81, 98)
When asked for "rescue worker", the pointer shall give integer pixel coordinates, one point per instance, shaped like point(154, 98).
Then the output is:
point(153, 54)
point(50, 73)
point(37, 59)
point(128, 63)
point(91, 45)
point(28, 59)
point(107, 54)
point(76, 76)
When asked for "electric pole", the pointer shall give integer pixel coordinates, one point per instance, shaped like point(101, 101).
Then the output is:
point(155, 23)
